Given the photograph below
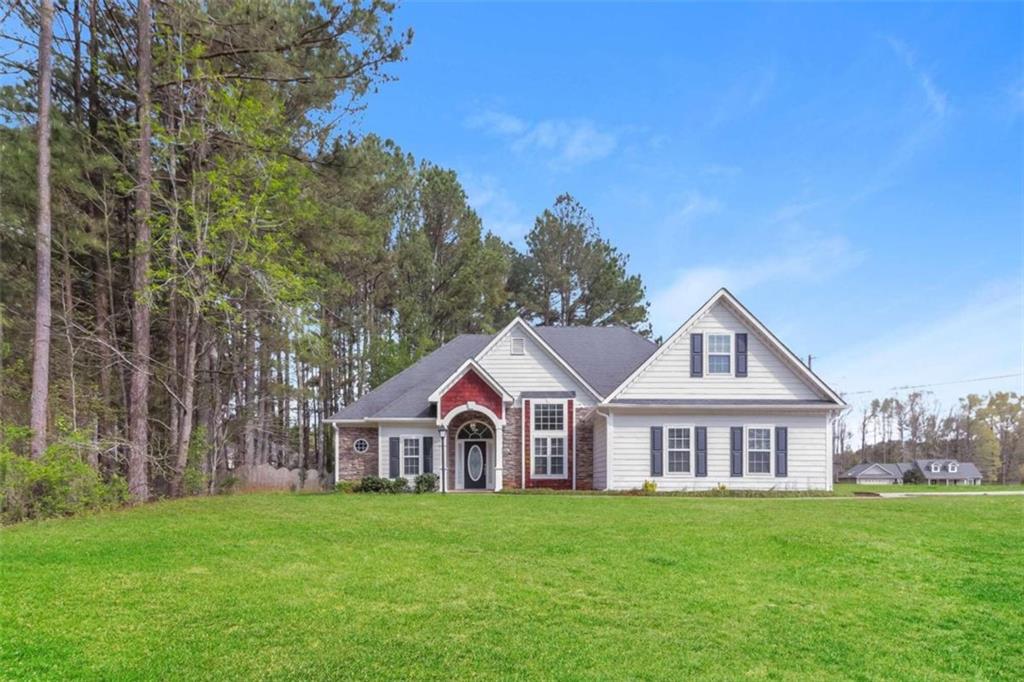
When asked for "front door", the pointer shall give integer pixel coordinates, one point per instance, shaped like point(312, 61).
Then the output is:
point(474, 465)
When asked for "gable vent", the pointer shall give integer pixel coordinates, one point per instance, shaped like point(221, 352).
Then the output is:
point(518, 345)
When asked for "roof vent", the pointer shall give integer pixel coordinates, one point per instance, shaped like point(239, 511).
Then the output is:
point(518, 345)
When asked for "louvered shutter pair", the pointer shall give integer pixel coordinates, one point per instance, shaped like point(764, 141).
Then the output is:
point(394, 455)
point(700, 437)
point(735, 451)
point(697, 355)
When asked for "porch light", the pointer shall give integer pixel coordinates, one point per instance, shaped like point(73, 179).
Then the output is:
point(442, 434)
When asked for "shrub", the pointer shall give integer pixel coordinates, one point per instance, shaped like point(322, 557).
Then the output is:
point(374, 484)
point(226, 485)
point(57, 484)
point(912, 476)
point(347, 487)
point(649, 487)
point(399, 485)
point(425, 483)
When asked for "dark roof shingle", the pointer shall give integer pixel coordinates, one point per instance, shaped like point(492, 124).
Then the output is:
point(603, 356)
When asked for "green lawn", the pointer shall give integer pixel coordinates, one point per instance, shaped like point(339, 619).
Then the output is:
point(585, 587)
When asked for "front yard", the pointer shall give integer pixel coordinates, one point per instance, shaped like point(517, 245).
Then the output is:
point(326, 586)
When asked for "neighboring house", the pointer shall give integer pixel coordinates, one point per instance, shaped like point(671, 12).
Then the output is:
point(721, 402)
point(875, 473)
point(934, 472)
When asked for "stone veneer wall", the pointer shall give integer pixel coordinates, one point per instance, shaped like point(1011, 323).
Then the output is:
point(585, 448)
point(351, 465)
point(512, 457)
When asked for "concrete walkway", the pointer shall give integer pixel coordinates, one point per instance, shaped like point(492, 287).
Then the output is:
point(963, 494)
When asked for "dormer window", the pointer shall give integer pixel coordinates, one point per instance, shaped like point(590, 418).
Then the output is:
point(936, 467)
point(518, 345)
point(952, 467)
point(719, 354)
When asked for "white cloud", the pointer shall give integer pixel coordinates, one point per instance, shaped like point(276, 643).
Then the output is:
point(499, 213)
point(497, 122)
point(745, 96)
point(982, 338)
point(693, 207)
point(567, 142)
point(806, 260)
point(719, 170)
point(937, 100)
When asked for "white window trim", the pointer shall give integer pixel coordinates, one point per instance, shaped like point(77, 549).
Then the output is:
point(707, 354)
point(419, 448)
point(691, 451)
point(771, 450)
point(953, 468)
point(936, 468)
point(548, 435)
point(521, 341)
point(355, 446)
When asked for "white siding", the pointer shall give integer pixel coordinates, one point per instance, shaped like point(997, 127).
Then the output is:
point(535, 370)
point(386, 432)
point(768, 376)
point(809, 462)
point(600, 452)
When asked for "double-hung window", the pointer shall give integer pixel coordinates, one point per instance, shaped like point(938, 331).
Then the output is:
point(759, 450)
point(678, 440)
point(411, 457)
point(719, 353)
point(549, 440)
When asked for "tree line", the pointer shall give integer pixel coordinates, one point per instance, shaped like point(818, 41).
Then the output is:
point(200, 262)
point(987, 430)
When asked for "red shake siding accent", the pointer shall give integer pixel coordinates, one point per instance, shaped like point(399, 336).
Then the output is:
point(471, 388)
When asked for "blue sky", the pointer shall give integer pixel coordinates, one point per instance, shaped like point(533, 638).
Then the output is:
point(853, 173)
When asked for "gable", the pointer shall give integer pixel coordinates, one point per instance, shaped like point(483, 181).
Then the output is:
point(878, 470)
point(770, 374)
point(535, 370)
point(471, 387)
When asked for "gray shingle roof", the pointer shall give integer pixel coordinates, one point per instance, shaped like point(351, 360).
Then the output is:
point(888, 471)
point(751, 402)
point(965, 470)
point(603, 356)
point(406, 393)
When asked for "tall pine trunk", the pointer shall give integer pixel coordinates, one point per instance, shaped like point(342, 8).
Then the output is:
point(44, 314)
point(138, 416)
point(183, 439)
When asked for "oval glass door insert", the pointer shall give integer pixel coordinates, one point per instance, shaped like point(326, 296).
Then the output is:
point(475, 462)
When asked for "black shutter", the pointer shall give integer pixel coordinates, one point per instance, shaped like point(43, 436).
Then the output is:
point(700, 436)
point(656, 451)
point(741, 355)
point(393, 446)
point(781, 451)
point(696, 355)
point(428, 454)
point(736, 451)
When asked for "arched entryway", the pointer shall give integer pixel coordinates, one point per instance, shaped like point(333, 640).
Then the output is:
point(474, 456)
point(474, 449)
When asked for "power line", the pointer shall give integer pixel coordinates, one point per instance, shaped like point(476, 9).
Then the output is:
point(940, 383)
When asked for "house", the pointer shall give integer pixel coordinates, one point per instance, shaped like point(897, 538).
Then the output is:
point(876, 473)
point(932, 471)
point(721, 402)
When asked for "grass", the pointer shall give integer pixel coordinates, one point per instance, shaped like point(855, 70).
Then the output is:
point(561, 586)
